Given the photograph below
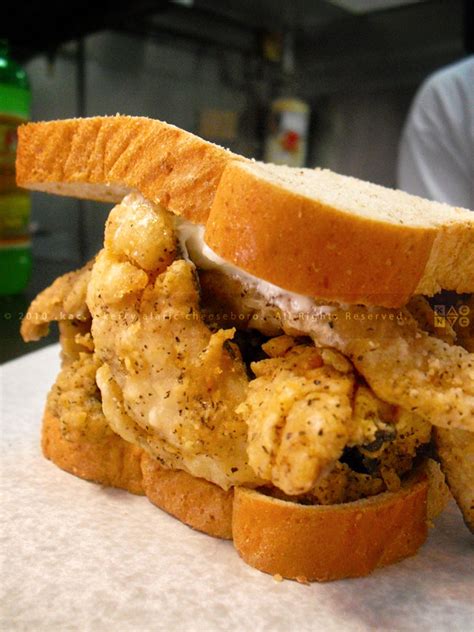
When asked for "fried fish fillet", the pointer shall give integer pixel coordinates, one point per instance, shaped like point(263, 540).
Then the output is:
point(173, 387)
point(64, 300)
point(405, 366)
point(299, 414)
point(456, 453)
point(306, 405)
point(168, 384)
point(402, 364)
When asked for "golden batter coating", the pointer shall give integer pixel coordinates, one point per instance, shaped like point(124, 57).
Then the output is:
point(402, 364)
point(168, 384)
point(65, 299)
point(456, 453)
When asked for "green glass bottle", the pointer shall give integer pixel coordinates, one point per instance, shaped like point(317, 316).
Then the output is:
point(15, 205)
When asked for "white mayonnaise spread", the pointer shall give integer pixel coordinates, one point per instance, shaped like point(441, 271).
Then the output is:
point(193, 246)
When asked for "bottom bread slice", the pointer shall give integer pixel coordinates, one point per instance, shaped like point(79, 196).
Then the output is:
point(114, 462)
point(324, 542)
point(295, 541)
point(110, 461)
point(196, 502)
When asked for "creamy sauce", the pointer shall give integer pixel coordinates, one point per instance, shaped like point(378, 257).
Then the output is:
point(293, 305)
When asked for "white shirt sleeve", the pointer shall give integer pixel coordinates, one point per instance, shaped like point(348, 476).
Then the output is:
point(436, 157)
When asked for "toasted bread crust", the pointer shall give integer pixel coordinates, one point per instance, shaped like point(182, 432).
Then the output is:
point(329, 542)
point(103, 158)
point(196, 502)
point(111, 461)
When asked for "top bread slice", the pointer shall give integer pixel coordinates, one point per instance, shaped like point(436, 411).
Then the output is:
point(313, 232)
point(105, 157)
point(338, 238)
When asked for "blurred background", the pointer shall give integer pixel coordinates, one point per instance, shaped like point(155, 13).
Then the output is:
point(344, 71)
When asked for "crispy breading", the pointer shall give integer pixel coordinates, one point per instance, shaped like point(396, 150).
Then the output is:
point(64, 300)
point(171, 386)
point(299, 415)
point(74, 338)
point(397, 454)
point(84, 445)
point(438, 491)
point(340, 485)
point(456, 453)
point(306, 405)
point(402, 364)
point(168, 384)
point(75, 401)
point(407, 367)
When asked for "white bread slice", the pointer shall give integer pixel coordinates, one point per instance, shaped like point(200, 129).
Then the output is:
point(196, 502)
point(333, 237)
point(113, 462)
point(110, 461)
point(105, 157)
point(327, 542)
point(279, 537)
point(309, 231)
